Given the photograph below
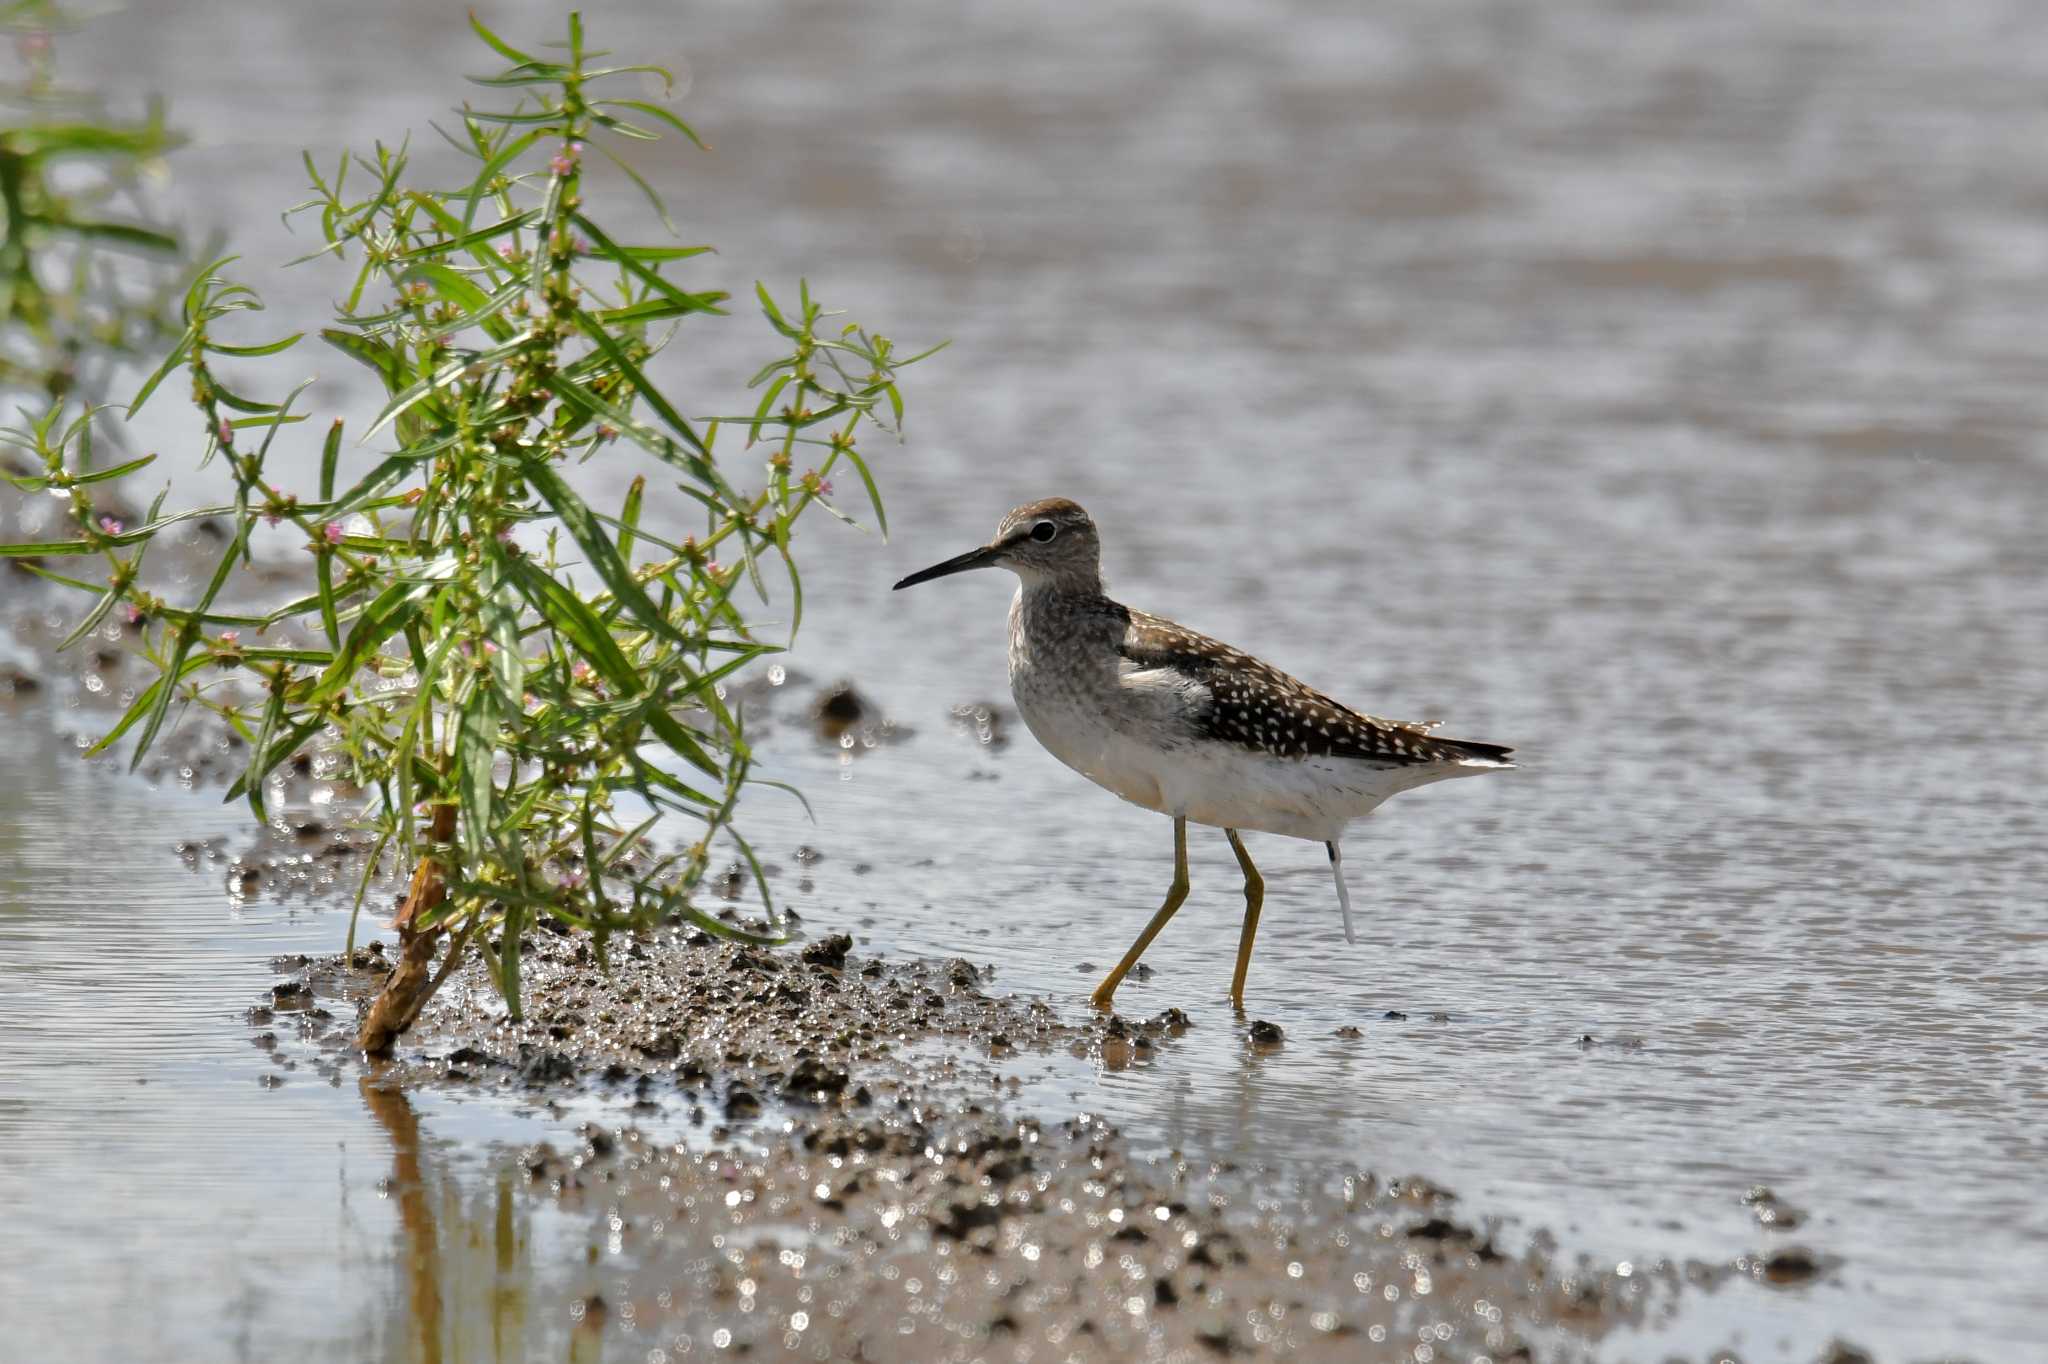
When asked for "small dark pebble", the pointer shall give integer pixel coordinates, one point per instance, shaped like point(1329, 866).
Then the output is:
point(547, 1068)
point(270, 1080)
point(1349, 1031)
point(1792, 1265)
point(1840, 1351)
point(740, 1104)
point(1173, 1021)
point(1394, 1016)
point(1266, 1034)
point(830, 951)
point(1440, 1229)
point(838, 709)
point(958, 1220)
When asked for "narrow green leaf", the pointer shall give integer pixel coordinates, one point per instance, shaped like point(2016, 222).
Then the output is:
point(499, 45)
point(47, 548)
point(655, 309)
point(501, 624)
point(654, 111)
point(448, 283)
point(171, 362)
point(629, 516)
point(481, 188)
point(476, 749)
point(124, 234)
point(265, 761)
point(465, 239)
point(867, 480)
point(187, 636)
point(146, 703)
point(78, 583)
point(92, 619)
point(330, 621)
point(368, 351)
point(662, 253)
point(103, 475)
point(381, 619)
point(597, 548)
point(640, 270)
point(441, 378)
point(273, 714)
point(330, 457)
point(550, 117)
point(576, 622)
point(284, 343)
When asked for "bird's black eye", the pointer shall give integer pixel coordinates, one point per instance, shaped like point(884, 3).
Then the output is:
point(1044, 531)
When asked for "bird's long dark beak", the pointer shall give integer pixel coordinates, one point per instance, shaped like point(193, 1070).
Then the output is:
point(985, 557)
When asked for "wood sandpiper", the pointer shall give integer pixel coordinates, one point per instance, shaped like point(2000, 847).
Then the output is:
point(1182, 724)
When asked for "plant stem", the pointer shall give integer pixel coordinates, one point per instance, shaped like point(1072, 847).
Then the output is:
point(408, 988)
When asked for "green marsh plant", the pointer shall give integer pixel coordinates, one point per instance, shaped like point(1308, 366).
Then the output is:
point(524, 681)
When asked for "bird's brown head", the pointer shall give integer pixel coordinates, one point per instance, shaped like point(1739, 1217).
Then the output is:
point(1048, 543)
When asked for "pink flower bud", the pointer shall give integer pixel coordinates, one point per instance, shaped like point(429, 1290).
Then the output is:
point(110, 524)
point(226, 432)
point(332, 530)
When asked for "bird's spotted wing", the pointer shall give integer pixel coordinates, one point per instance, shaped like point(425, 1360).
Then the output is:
point(1253, 704)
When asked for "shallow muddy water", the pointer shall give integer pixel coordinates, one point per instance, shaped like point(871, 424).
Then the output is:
point(1656, 391)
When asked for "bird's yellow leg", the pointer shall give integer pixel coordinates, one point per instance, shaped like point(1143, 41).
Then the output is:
point(1254, 897)
point(1105, 993)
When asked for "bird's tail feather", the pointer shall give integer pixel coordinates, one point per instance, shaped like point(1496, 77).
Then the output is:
point(1471, 750)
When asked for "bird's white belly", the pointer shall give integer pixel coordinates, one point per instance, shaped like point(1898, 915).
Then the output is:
point(1205, 781)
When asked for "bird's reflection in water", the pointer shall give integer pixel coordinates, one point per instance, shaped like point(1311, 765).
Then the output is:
point(466, 1274)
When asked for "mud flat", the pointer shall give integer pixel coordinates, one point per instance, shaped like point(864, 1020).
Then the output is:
point(845, 1175)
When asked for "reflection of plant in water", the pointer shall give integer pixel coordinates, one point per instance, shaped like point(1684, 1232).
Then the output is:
point(501, 663)
point(465, 1253)
point(84, 272)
